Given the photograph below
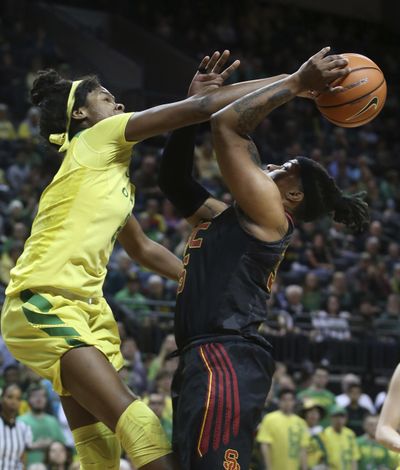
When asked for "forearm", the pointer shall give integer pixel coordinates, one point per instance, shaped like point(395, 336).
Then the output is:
point(266, 456)
point(388, 437)
point(150, 254)
point(218, 99)
point(176, 172)
point(196, 109)
point(244, 115)
point(158, 259)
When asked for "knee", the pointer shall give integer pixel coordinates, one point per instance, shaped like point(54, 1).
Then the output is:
point(98, 448)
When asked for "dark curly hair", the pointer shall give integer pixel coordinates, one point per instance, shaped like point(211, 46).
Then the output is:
point(323, 197)
point(50, 92)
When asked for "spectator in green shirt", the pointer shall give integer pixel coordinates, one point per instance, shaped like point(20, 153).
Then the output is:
point(318, 393)
point(45, 427)
point(131, 296)
point(373, 454)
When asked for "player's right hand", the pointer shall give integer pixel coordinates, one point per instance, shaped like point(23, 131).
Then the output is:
point(212, 73)
point(321, 70)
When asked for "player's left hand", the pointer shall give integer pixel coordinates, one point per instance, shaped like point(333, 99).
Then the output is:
point(211, 73)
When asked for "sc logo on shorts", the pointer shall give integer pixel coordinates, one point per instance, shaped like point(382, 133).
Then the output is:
point(231, 457)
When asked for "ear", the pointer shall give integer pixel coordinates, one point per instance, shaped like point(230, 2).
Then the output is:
point(80, 114)
point(294, 195)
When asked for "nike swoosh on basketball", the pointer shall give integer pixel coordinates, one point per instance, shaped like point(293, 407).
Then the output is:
point(373, 102)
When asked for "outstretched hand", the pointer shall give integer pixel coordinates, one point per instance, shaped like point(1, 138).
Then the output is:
point(211, 73)
point(321, 71)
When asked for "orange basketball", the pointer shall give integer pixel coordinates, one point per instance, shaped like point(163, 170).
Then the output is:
point(363, 97)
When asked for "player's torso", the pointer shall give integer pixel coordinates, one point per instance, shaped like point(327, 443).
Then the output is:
point(79, 216)
point(226, 281)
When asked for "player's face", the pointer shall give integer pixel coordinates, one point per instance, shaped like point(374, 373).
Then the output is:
point(286, 176)
point(289, 169)
point(100, 104)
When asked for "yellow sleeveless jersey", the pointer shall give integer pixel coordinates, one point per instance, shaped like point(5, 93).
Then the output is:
point(80, 214)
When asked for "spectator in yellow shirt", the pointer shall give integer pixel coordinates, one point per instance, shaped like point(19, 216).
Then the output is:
point(7, 131)
point(313, 413)
point(29, 128)
point(340, 442)
point(284, 436)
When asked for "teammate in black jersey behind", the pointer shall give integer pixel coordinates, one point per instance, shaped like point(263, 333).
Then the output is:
point(230, 263)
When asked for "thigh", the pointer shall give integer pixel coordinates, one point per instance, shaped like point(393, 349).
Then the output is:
point(77, 416)
point(95, 384)
point(223, 387)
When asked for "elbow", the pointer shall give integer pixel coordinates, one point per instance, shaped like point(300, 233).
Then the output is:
point(143, 252)
point(219, 123)
point(380, 435)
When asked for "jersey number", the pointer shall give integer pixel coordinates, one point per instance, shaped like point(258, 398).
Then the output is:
point(272, 274)
point(193, 242)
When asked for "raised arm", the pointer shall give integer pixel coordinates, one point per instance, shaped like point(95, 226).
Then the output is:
point(207, 100)
point(148, 253)
point(256, 193)
point(176, 179)
point(176, 172)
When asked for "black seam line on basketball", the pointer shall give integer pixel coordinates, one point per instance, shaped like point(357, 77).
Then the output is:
point(366, 68)
point(352, 101)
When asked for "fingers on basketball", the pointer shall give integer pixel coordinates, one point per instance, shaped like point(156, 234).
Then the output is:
point(357, 94)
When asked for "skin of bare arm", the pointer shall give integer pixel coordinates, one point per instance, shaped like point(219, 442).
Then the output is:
point(148, 253)
point(266, 455)
point(212, 207)
point(256, 193)
point(389, 419)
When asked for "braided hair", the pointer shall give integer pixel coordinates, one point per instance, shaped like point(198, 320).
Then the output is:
point(322, 197)
point(50, 93)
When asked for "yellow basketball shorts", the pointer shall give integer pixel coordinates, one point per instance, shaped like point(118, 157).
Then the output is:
point(39, 328)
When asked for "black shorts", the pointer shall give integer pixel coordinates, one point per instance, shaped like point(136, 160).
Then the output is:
point(218, 393)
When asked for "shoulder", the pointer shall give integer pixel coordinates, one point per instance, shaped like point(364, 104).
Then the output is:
point(274, 415)
point(112, 122)
point(329, 394)
point(299, 420)
point(304, 393)
point(23, 426)
point(361, 440)
point(109, 130)
point(350, 433)
point(26, 417)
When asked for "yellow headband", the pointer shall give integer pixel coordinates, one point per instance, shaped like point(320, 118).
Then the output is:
point(62, 139)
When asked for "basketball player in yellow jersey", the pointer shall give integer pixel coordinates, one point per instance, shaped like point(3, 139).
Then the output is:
point(55, 319)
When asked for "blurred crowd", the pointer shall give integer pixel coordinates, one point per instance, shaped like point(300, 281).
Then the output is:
point(332, 289)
